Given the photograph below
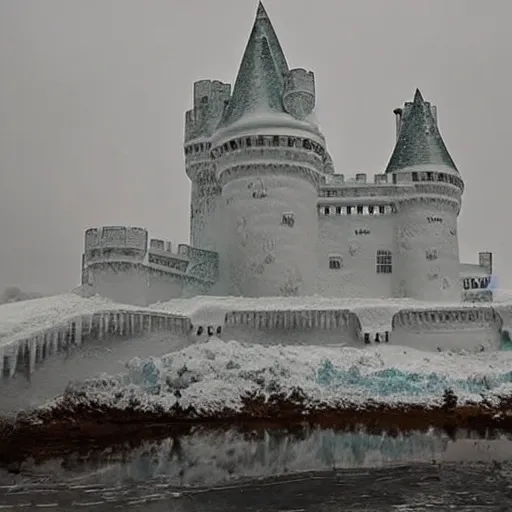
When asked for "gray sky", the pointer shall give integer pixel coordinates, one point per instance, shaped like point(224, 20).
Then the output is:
point(93, 94)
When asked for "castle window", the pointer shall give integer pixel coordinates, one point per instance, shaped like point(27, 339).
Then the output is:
point(338, 210)
point(335, 262)
point(275, 141)
point(288, 219)
point(414, 176)
point(384, 262)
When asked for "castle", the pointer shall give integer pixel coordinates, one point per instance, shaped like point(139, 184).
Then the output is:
point(270, 217)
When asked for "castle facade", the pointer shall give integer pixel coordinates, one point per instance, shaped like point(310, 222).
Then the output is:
point(270, 216)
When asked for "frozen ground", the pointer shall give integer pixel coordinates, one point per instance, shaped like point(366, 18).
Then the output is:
point(216, 375)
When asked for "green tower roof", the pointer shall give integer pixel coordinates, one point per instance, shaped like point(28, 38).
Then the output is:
point(419, 141)
point(260, 81)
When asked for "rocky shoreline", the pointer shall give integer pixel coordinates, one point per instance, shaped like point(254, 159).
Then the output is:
point(70, 426)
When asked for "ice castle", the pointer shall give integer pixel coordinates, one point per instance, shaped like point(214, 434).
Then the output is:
point(272, 223)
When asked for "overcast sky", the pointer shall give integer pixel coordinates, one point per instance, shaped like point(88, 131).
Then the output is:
point(93, 94)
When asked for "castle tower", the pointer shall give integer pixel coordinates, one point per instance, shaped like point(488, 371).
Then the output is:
point(269, 156)
point(426, 253)
point(210, 98)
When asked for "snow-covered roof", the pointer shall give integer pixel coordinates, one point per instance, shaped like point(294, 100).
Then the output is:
point(419, 141)
point(257, 95)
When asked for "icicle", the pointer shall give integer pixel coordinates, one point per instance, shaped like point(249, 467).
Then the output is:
point(12, 365)
point(32, 356)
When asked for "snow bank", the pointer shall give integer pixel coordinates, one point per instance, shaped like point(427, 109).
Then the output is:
point(216, 375)
point(21, 319)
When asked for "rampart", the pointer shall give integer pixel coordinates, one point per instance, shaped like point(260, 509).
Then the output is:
point(125, 265)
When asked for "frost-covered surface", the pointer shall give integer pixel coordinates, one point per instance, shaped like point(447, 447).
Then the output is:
point(216, 375)
point(24, 318)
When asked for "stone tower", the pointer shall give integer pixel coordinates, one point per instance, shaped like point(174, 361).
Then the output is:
point(426, 239)
point(269, 156)
point(210, 98)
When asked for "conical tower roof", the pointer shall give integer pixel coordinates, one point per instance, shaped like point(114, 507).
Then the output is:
point(260, 81)
point(419, 141)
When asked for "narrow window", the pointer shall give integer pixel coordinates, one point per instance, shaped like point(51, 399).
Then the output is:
point(327, 210)
point(226, 147)
point(384, 262)
point(233, 144)
point(306, 144)
point(359, 210)
point(430, 176)
point(288, 219)
point(349, 210)
point(335, 262)
point(291, 142)
point(275, 141)
point(414, 176)
point(259, 141)
point(371, 210)
point(338, 210)
point(248, 142)
point(382, 210)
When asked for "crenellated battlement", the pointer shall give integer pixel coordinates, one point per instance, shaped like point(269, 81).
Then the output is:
point(210, 99)
point(299, 93)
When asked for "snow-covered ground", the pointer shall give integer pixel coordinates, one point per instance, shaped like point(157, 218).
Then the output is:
point(216, 375)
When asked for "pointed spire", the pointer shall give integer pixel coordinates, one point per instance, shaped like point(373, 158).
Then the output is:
point(262, 13)
point(260, 82)
point(418, 98)
point(419, 141)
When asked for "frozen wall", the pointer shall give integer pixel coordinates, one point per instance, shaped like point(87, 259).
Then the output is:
point(471, 330)
point(355, 239)
point(122, 282)
point(427, 252)
point(270, 232)
point(205, 196)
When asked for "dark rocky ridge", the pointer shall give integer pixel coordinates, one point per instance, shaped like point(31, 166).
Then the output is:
point(74, 424)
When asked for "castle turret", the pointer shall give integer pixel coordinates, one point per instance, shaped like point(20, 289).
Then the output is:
point(210, 99)
point(426, 240)
point(269, 157)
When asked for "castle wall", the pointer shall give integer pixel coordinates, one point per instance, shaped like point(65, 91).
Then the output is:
point(427, 252)
point(205, 197)
point(121, 282)
point(270, 232)
point(293, 327)
point(471, 330)
point(354, 240)
point(163, 286)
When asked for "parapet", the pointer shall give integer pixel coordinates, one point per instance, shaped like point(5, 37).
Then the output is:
point(210, 99)
point(485, 261)
point(160, 245)
point(299, 93)
point(111, 237)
